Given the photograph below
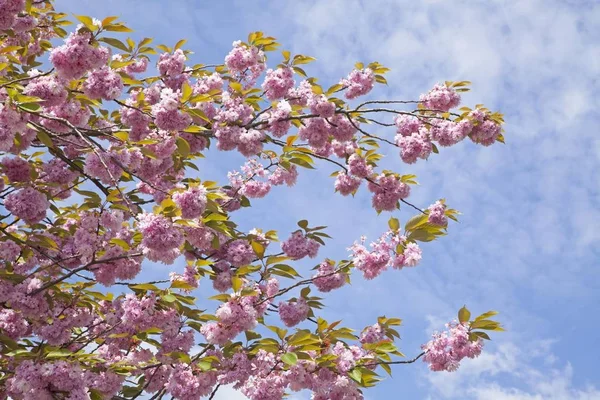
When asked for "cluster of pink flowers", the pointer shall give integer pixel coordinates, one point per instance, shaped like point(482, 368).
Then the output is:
point(166, 112)
point(279, 124)
point(327, 278)
point(187, 384)
point(77, 56)
point(440, 98)
point(437, 214)
point(208, 83)
point(415, 135)
point(117, 265)
point(242, 59)
point(11, 123)
point(299, 246)
point(239, 252)
point(8, 12)
point(358, 166)
point(320, 105)
point(192, 201)
point(103, 83)
point(445, 351)
point(384, 254)
point(28, 204)
point(282, 175)
point(72, 111)
point(162, 239)
point(358, 83)
point(485, 131)
point(278, 82)
point(16, 169)
point(171, 64)
point(235, 316)
point(387, 191)
point(372, 334)
point(9, 251)
point(49, 88)
point(39, 381)
point(346, 184)
point(293, 312)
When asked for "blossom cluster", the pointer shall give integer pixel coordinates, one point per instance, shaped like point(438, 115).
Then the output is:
point(446, 349)
point(384, 253)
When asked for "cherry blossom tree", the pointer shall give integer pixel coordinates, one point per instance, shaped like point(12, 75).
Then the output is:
point(99, 139)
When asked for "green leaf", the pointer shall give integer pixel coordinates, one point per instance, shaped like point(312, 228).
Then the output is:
point(486, 315)
point(259, 248)
point(45, 139)
point(145, 286)
point(121, 243)
point(186, 92)
point(303, 224)
point(394, 224)
point(416, 222)
point(87, 21)
point(115, 43)
point(169, 298)
point(356, 375)
point(180, 43)
point(290, 358)
point(464, 315)
point(183, 146)
point(118, 28)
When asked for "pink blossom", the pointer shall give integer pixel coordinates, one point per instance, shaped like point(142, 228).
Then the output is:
point(413, 147)
point(167, 114)
point(372, 334)
point(184, 384)
point(282, 175)
point(321, 106)
point(407, 124)
point(343, 128)
point(358, 83)
point(208, 83)
point(292, 313)
point(77, 56)
point(278, 82)
point(13, 324)
point(327, 279)
point(9, 251)
point(161, 239)
point(277, 119)
point(346, 184)
point(299, 246)
point(137, 66)
point(192, 202)
point(387, 191)
point(315, 131)
point(16, 169)
point(239, 252)
point(171, 64)
point(486, 132)
point(358, 166)
point(440, 98)
point(103, 83)
point(436, 214)
point(301, 94)
point(27, 204)
point(48, 88)
point(445, 351)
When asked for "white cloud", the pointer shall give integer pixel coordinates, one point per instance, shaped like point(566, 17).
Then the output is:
point(512, 373)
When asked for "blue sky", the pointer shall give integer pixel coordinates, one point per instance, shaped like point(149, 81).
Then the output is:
point(527, 244)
